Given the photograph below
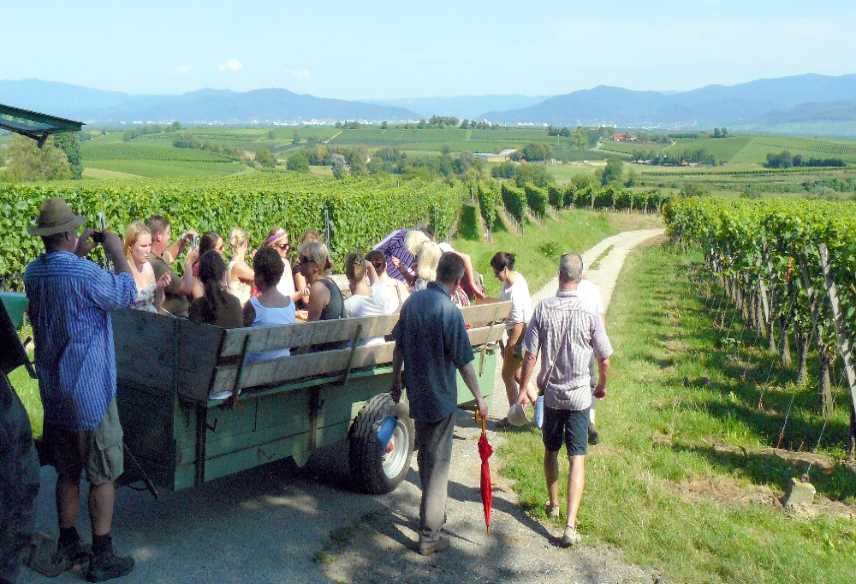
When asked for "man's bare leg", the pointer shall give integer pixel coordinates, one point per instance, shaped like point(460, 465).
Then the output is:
point(67, 501)
point(101, 500)
point(576, 483)
point(551, 474)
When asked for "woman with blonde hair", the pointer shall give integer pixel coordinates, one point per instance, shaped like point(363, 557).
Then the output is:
point(427, 259)
point(240, 276)
point(138, 247)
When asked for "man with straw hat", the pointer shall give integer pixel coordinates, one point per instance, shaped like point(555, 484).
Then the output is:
point(70, 299)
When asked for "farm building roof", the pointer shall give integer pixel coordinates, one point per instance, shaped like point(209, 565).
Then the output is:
point(33, 124)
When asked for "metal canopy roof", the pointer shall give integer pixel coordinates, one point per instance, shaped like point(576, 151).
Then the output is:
point(33, 124)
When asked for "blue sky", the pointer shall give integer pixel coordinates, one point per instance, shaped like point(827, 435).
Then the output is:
point(387, 49)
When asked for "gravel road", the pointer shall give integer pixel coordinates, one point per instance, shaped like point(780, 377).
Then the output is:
point(282, 524)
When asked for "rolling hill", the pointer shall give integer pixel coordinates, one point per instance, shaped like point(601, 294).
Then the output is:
point(748, 104)
point(206, 105)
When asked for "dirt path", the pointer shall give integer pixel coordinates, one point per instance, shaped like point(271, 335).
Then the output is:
point(277, 524)
point(378, 547)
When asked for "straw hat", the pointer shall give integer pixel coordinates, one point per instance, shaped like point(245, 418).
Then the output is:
point(55, 217)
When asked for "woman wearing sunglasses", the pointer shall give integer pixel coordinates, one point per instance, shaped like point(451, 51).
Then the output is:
point(277, 239)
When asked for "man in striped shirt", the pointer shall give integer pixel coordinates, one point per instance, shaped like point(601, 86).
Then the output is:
point(566, 333)
point(70, 299)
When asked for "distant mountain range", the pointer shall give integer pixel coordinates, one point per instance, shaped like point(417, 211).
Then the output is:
point(464, 106)
point(206, 105)
point(804, 103)
point(760, 104)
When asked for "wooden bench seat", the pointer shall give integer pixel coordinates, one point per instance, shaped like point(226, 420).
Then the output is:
point(202, 360)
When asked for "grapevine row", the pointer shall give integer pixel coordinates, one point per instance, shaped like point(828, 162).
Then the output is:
point(788, 265)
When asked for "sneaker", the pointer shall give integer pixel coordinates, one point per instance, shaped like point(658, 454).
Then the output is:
point(593, 436)
point(570, 537)
point(551, 511)
point(428, 547)
point(107, 566)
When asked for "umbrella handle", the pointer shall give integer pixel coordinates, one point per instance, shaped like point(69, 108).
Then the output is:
point(483, 420)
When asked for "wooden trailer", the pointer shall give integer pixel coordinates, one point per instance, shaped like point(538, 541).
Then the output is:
point(194, 408)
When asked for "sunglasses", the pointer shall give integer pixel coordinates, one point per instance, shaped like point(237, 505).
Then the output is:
point(283, 246)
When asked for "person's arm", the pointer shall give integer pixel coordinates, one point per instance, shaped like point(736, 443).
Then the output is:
point(529, 361)
point(185, 284)
point(319, 298)
point(249, 314)
point(85, 244)
point(244, 273)
point(603, 350)
point(406, 272)
point(173, 251)
point(198, 289)
point(112, 291)
point(602, 369)
point(468, 374)
point(113, 248)
point(531, 346)
point(371, 273)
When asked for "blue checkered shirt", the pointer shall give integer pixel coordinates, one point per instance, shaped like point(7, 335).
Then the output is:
point(70, 300)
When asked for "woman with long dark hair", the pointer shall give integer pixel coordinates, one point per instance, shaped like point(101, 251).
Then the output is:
point(515, 289)
point(216, 306)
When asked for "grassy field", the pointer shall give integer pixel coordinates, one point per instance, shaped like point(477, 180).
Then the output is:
point(109, 157)
point(750, 150)
point(684, 481)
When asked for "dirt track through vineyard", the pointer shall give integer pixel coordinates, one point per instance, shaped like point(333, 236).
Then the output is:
point(278, 524)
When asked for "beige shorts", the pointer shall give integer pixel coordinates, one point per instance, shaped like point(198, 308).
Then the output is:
point(100, 452)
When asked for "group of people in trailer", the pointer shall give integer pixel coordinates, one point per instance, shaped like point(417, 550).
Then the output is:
point(225, 283)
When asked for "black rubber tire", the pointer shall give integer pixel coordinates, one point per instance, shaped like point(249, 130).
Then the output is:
point(365, 456)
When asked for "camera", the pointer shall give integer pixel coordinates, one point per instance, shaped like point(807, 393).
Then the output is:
point(98, 237)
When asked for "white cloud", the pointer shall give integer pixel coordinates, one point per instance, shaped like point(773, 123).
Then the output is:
point(303, 73)
point(232, 65)
point(184, 69)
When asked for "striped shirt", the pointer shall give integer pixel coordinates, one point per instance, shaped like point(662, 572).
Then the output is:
point(393, 247)
point(566, 334)
point(70, 300)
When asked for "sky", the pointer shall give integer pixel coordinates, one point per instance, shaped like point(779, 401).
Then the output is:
point(384, 50)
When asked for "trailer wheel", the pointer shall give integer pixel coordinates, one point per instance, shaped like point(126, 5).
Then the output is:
point(374, 469)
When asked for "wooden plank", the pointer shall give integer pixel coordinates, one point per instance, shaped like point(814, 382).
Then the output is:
point(196, 356)
point(325, 362)
point(481, 314)
point(145, 354)
point(299, 366)
point(304, 335)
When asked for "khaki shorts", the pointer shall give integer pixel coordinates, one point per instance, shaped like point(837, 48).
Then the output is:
point(99, 452)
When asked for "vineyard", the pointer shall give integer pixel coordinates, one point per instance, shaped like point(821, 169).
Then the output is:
point(788, 267)
point(355, 213)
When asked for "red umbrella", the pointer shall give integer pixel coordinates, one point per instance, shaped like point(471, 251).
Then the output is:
point(485, 450)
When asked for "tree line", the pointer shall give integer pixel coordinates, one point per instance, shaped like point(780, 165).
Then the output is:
point(784, 159)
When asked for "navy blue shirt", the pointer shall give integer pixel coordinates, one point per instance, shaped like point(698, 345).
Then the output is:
point(433, 341)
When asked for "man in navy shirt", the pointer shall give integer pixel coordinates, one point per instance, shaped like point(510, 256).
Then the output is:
point(431, 343)
point(70, 299)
